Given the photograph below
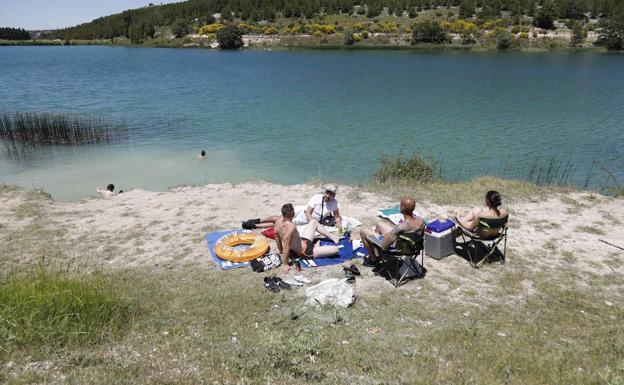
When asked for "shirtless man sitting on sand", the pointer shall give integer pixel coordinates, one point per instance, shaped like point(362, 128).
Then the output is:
point(292, 245)
point(389, 231)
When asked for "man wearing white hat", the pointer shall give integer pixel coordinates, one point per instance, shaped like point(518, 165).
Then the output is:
point(324, 208)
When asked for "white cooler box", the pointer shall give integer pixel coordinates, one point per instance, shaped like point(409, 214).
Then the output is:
point(439, 245)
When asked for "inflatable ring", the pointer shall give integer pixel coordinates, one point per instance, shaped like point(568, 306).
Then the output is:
point(225, 247)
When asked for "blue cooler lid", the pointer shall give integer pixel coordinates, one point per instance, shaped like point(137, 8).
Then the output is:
point(437, 226)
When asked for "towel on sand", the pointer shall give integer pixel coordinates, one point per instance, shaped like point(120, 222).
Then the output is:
point(346, 252)
point(393, 214)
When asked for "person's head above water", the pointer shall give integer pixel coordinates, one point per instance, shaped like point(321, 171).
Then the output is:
point(110, 187)
point(203, 153)
point(288, 211)
point(408, 205)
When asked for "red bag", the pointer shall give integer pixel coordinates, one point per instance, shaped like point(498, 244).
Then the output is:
point(269, 233)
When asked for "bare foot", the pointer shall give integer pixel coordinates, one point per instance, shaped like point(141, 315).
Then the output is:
point(334, 238)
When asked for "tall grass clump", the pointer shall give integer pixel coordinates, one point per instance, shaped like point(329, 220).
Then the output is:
point(22, 130)
point(49, 308)
point(553, 172)
point(413, 169)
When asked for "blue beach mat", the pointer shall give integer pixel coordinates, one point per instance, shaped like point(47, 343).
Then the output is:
point(346, 253)
point(212, 238)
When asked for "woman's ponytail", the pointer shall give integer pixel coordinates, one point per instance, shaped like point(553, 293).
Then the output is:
point(493, 199)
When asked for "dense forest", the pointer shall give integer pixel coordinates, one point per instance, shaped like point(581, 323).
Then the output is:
point(14, 34)
point(139, 23)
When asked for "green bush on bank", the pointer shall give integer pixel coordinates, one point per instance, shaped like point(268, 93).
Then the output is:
point(230, 37)
point(429, 31)
point(414, 168)
point(50, 308)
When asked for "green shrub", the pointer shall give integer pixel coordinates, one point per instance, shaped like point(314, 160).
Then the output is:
point(429, 31)
point(349, 38)
point(578, 34)
point(505, 40)
point(611, 34)
point(412, 169)
point(180, 28)
point(41, 307)
point(230, 37)
point(545, 18)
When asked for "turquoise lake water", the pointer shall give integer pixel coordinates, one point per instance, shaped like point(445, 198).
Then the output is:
point(289, 116)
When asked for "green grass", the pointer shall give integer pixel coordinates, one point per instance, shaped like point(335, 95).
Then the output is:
point(203, 326)
point(590, 230)
point(41, 308)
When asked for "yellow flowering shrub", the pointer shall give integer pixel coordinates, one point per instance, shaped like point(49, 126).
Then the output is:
point(270, 30)
point(458, 26)
point(247, 28)
point(386, 27)
point(492, 24)
point(329, 29)
point(496, 31)
point(210, 28)
point(323, 28)
point(359, 26)
point(357, 37)
point(524, 35)
point(318, 33)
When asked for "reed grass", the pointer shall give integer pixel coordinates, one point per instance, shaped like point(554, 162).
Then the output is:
point(20, 131)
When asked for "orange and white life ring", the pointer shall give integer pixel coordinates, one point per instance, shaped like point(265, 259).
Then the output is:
point(225, 247)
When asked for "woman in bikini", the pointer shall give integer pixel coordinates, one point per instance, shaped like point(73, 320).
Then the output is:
point(492, 202)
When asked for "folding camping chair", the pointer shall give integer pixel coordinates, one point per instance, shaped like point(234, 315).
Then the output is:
point(489, 233)
point(401, 262)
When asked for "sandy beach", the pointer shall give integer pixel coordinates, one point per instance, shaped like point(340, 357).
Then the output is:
point(166, 229)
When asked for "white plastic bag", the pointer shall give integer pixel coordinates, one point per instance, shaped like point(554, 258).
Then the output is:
point(332, 291)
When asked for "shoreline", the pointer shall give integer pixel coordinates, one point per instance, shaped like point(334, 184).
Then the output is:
point(316, 47)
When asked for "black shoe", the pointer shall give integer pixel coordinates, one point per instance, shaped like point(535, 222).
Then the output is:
point(248, 225)
point(349, 276)
point(368, 263)
point(280, 283)
point(270, 284)
point(353, 269)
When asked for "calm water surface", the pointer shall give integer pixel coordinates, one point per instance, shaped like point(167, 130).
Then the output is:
point(291, 116)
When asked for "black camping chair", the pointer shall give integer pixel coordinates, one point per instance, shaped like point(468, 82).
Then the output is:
point(401, 262)
point(488, 234)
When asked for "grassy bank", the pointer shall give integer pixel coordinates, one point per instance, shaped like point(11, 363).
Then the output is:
point(204, 326)
point(541, 318)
